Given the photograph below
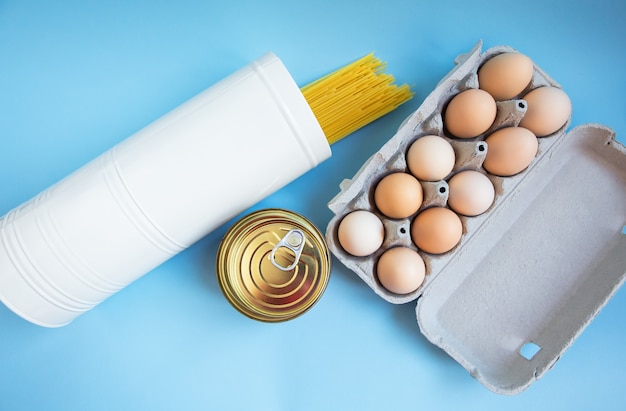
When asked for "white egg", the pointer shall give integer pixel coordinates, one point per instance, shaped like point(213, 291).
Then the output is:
point(361, 233)
point(430, 158)
point(471, 193)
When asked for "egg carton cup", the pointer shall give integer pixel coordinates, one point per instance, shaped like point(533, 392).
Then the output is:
point(554, 234)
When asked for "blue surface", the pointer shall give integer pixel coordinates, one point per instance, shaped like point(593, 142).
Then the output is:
point(78, 77)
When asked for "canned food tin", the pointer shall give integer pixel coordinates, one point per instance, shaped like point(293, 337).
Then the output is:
point(273, 265)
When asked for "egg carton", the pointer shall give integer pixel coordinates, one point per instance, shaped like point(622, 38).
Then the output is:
point(531, 271)
point(357, 193)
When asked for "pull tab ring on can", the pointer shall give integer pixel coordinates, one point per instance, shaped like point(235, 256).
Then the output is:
point(294, 241)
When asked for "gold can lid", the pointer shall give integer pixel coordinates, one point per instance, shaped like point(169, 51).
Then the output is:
point(273, 265)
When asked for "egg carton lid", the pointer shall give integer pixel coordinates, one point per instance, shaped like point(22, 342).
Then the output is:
point(539, 270)
point(535, 273)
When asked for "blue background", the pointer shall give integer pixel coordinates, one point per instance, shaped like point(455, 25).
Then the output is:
point(76, 77)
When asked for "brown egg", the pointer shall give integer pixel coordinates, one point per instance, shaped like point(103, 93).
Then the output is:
point(401, 270)
point(470, 193)
point(506, 75)
point(398, 195)
point(510, 150)
point(470, 113)
point(436, 230)
point(549, 108)
point(430, 158)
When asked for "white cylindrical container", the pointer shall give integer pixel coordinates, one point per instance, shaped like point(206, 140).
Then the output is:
point(156, 193)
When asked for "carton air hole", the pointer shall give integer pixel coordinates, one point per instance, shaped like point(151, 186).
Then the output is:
point(529, 350)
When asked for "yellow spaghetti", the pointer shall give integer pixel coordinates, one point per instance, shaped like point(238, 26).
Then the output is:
point(353, 96)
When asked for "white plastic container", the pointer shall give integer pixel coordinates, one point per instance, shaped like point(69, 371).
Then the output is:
point(156, 193)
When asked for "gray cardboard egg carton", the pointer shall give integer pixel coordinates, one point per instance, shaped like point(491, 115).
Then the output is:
point(357, 193)
point(535, 268)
